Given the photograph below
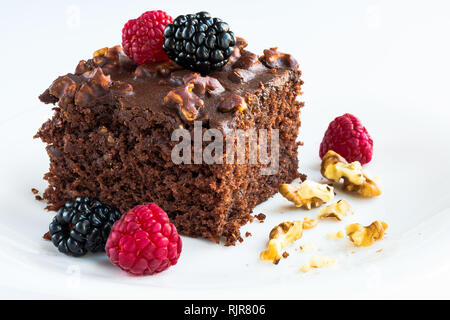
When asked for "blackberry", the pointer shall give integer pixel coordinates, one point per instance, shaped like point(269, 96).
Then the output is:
point(82, 226)
point(199, 42)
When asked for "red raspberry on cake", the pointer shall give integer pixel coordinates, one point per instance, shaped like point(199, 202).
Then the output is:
point(143, 241)
point(143, 38)
point(349, 138)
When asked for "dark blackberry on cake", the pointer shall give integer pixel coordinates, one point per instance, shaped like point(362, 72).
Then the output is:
point(199, 42)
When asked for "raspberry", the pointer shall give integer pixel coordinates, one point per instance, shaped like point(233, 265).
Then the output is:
point(348, 137)
point(142, 38)
point(143, 241)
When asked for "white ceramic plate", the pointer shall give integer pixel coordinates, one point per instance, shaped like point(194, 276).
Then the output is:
point(415, 203)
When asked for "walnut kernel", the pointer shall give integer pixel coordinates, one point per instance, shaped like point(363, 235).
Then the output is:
point(334, 167)
point(309, 194)
point(365, 236)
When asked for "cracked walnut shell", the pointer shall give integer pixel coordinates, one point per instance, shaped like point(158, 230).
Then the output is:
point(281, 237)
point(309, 194)
point(365, 236)
point(334, 167)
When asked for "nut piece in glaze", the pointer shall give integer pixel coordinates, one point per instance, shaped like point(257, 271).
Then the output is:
point(121, 88)
point(187, 96)
point(337, 210)
point(281, 237)
point(309, 223)
point(203, 85)
point(97, 85)
point(109, 58)
point(236, 54)
point(64, 88)
point(163, 69)
point(274, 59)
point(186, 102)
point(334, 167)
point(308, 194)
point(248, 61)
point(240, 75)
point(365, 236)
point(231, 103)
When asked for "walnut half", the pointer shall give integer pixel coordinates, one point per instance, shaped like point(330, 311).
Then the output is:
point(281, 237)
point(334, 167)
point(309, 194)
point(366, 236)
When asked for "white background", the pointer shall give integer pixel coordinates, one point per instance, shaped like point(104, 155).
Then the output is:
point(385, 61)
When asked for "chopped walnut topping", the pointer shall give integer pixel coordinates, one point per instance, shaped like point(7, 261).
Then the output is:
point(64, 88)
point(231, 103)
point(100, 52)
point(365, 236)
point(241, 75)
point(281, 237)
point(109, 58)
point(261, 217)
point(334, 167)
point(203, 85)
point(186, 102)
point(248, 61)
point(309, 194)
point(274, 59)
point(97, 85)
point(163, 69)
point(337, 210)
point(187, 97)
point(318, 262)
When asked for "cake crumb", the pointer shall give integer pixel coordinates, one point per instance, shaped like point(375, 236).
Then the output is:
point(285, 255)
point(36, 194)
point(248, 234)
point(47, 236)
point(261, 217)
point(379, 250)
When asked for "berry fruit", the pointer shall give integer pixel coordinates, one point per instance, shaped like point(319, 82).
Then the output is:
point(82, 226)
point(199, 42)
point(142, 38)
point(143, 241)
point(348, 137)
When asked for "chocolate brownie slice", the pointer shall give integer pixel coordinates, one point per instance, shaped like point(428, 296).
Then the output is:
point(111, 136)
